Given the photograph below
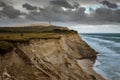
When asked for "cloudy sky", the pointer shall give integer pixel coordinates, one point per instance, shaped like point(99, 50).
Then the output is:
point(85, 15)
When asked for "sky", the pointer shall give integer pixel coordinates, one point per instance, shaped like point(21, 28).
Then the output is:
point(85, 16)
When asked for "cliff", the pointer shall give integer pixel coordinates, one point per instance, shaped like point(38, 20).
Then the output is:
point(51, 57)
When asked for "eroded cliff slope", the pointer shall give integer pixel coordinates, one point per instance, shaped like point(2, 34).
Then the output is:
point(47, 58)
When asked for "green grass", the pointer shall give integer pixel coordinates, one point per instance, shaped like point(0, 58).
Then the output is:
point(32, 32)
point(16, 37)
point(28, 29)
point(34, 29)
point(11, 35)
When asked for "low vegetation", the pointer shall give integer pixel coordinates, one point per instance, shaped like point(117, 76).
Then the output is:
point(5, 47)
point(30, 32)
point(11, 35)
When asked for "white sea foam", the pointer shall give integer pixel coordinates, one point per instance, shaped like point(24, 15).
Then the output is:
point(103, 41)
point(107, 63)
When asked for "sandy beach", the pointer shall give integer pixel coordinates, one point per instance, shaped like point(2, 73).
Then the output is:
point(87, 66)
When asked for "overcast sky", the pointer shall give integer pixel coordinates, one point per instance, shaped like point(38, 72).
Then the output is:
point(87, 12)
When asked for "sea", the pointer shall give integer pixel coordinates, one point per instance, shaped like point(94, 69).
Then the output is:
point(108, 58)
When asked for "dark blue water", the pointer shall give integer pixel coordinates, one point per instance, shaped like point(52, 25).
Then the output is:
point(108, 60)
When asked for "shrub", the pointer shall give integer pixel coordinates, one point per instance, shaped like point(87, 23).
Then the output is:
point(5, 47)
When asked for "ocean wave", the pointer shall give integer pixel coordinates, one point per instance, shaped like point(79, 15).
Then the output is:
point(102, 41)
point(108, 59)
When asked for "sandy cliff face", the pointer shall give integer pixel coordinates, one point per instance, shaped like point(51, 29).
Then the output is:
point(47, 59)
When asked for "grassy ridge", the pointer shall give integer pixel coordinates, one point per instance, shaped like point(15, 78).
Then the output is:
point(28, 29)
point(11, 35)
point(30, 32)
point(26, 36)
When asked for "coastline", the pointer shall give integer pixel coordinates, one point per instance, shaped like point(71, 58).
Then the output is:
point(87, 66)
point(54, 63)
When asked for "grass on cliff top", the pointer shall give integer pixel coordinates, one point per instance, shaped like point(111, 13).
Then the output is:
point(11, 35)
point(31, 32)
point(29, 29)
point(19, 37)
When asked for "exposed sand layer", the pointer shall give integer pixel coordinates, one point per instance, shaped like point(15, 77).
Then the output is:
point(49, 58)
point(87, 66)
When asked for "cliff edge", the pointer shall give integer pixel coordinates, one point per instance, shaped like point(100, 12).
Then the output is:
point(44, 54)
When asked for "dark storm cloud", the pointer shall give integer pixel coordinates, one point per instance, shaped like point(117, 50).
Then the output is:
point(55, 12)
point(2, 4)
point(106, 14)
point(79, 14)
point(109, 4)
point(82, 2)
point(111, 13)
point(29, 6)
point(64, 10)
point(62, 3)
point(76, 5)
point(10, 12)
point(7, 10)
point(2, 15)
